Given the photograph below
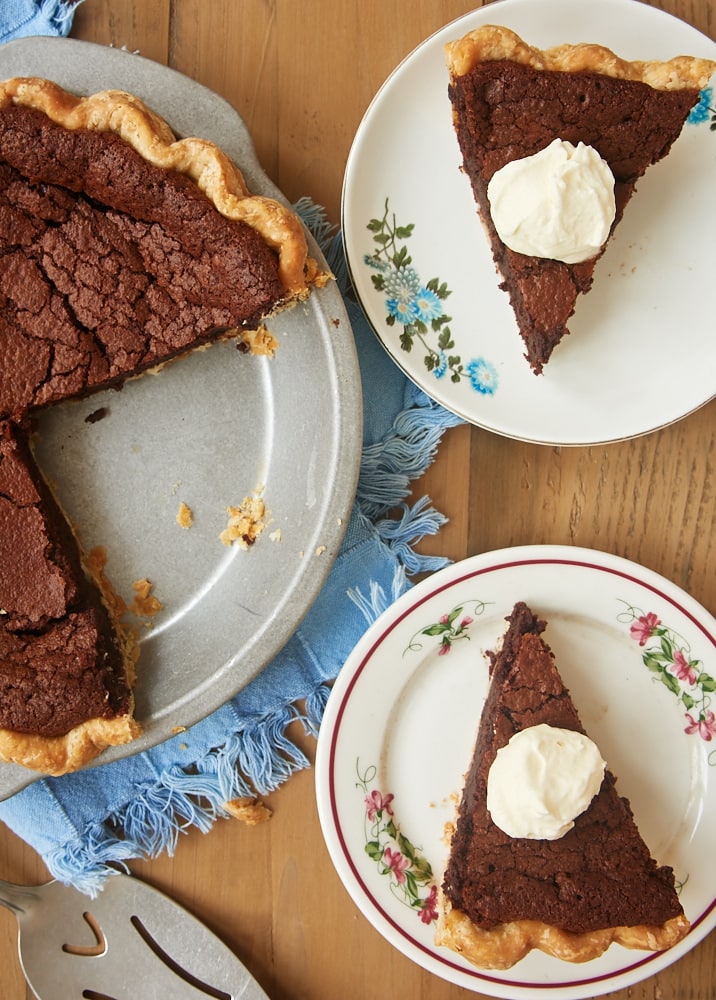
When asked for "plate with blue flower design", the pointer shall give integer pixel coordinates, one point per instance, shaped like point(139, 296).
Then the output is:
point(639, 658)
point(641, 354)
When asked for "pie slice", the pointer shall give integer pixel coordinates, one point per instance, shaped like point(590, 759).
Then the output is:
point(511, 100)
point(570, 897)
point(121, 248)
point(66, 668)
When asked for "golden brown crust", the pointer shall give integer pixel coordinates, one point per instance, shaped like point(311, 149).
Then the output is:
point(502, 946)
point(55, 755)
point(492, 42)
point(209, 167)
point(246, 522)
point(251, 811)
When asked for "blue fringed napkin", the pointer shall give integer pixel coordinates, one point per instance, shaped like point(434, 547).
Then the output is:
point(81, 823)
point(21, 18)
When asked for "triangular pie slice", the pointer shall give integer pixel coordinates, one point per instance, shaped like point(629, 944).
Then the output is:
point(121, 248)
point(511, 100)
point(66, 668)
point(572, 897)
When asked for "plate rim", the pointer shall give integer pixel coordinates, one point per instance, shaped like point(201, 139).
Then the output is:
point(396, 355)
point(511, 558)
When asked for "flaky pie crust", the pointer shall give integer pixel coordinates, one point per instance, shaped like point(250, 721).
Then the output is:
point(502, 946)
point(493, 42)
point(56, 755)
point(214, 173)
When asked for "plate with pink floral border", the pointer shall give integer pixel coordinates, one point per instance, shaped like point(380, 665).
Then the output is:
point(639, 658)
point(421, 265)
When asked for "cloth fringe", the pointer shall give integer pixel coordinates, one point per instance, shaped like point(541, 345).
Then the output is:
point(377, 601)
point(261, 757)
point(256, 762)
point(401, 533)
point(59, 14)
point(35, 17)
point(388, 467)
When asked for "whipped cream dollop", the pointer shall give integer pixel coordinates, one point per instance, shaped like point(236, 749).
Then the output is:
point(557, 203)
point(542, 780)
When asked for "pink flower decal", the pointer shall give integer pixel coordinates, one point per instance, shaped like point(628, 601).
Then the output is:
point(705, 726)
point(668, 656)
point(377, 803)
point(683, 670)
point(404, 866)
point(429, 910)
point(449, 627)
point(643, 628)
point(397, 863)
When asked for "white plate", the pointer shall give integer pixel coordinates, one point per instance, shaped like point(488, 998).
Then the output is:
point(641, 353)
point(209, 430)
point(402, 718)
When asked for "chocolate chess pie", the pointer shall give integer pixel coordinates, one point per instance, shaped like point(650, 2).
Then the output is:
point(121, 248)
point(511, 100)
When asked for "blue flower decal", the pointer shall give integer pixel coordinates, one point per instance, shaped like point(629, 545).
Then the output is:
point(483, 376)
point(442, 365)
point(402, 283)
point(427, 305)
point(417, 307)
point(704, 110)
point(402, 310)
point(375, 262)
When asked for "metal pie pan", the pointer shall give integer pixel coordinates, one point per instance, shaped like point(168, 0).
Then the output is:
point(208, 430)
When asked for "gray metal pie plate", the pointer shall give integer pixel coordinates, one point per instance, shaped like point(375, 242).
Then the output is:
point(208, 430)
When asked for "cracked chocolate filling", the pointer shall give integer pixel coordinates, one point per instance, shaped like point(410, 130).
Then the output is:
point(600, 873)
point(60, 661)
point(109, 264)
point(504, 111)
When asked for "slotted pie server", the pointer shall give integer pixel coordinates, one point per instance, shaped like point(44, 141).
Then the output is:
point(130, 943)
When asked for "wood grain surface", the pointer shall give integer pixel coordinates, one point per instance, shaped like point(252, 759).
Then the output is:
point(302, 74)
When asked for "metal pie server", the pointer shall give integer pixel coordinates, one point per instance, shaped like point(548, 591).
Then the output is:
point(130, 942)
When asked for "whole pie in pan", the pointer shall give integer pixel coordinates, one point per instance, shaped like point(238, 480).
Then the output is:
point(511, 100)
point(572, 896)
point(121, 248)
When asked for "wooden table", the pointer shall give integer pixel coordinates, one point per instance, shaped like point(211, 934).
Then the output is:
point(302, 75)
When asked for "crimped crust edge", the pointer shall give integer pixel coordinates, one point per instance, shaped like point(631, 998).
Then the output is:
point(493, 42)
point(504, 945)
point(214, 173)
point(56, 755)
